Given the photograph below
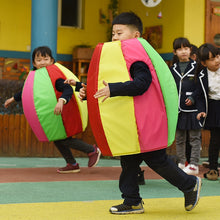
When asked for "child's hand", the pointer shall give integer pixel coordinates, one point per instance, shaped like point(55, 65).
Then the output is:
point(8, 102)
point(103, 92)
point(59, 107)
point(82, 92)
point(72, 82)
point(188, 102)
point(201, 115)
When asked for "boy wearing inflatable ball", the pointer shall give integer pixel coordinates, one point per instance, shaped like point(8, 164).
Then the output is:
point(124, 27)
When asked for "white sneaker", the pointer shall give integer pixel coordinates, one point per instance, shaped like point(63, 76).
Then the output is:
point(181, 165)
point(191, 169)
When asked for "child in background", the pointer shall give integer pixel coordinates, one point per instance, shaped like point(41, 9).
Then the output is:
point(193, 56)
point(194, 52)
point(206, 163)
point(184, 74)
point(209, 75)
point(127, 26)
point(42, 57)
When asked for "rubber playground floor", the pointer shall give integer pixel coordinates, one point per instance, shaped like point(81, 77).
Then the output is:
point(31, 189)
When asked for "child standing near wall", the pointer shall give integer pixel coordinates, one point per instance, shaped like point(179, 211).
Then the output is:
point(209, 76)
point(184, 74)
point(42, 57)
point(193, 56)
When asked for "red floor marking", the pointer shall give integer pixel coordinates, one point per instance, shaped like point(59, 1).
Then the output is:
point(9, 175)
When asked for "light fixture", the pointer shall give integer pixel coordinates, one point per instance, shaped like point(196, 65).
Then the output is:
point(151, 3)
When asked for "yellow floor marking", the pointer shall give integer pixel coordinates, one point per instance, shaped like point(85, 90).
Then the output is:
point(155, 209)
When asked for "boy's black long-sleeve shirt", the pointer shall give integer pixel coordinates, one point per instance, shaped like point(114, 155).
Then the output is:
point(142, 79)
point(140, 74)
point(66, 90)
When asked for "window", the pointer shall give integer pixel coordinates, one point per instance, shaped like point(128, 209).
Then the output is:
point(70, 13)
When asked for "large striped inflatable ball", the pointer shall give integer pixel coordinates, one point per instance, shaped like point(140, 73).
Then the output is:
point(39, 98)
point(125, 125)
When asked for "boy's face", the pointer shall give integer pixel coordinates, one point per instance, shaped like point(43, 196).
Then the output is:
point(42, 61)
point(124, 32)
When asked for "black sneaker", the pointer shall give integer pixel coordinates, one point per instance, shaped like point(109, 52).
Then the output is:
point(141, 180)
point(192, 197)
point(205, 164)
point(127, 209)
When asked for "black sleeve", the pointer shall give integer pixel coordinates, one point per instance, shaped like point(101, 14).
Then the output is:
point(66, 89)
point(17, 96)
point(141, 81)
point(78, 86)
point(200, 97)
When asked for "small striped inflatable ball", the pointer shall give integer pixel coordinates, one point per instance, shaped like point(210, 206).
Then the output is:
point(39, 98)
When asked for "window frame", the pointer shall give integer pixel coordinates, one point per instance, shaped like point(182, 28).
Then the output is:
point(79, 15)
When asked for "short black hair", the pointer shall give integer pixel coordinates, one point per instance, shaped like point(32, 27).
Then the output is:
point(181, 41)
point(205, 49)
point(194, 50)
point(129, 18)
point(43, 51)
point(218, 49)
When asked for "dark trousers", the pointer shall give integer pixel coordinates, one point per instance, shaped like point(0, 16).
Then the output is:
point(214, 148)
point(188, 148)
point(161, 164)
point(65, 145)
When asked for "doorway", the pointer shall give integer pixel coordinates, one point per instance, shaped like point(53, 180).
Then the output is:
point(212, 26)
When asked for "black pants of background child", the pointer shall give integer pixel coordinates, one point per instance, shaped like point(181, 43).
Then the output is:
point(214, 148)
